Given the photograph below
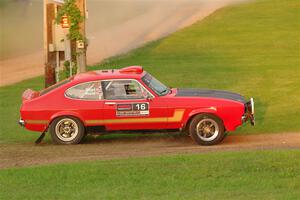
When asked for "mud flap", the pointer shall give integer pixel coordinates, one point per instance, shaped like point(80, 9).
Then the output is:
point(39, 140)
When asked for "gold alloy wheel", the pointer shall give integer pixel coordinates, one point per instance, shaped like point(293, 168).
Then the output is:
point(207, 129)
point(66, 129)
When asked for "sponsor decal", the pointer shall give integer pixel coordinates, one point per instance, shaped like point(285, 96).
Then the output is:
point(133, 109)
point(177, 117)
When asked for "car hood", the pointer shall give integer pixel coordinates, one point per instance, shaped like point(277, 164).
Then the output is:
point(210, 93)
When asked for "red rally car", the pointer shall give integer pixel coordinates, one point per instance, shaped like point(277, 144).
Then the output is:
point(131, 99)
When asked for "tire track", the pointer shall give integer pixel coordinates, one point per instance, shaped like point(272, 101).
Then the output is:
point(28, 154)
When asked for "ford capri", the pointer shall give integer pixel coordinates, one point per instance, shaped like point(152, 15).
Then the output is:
point(131, 99)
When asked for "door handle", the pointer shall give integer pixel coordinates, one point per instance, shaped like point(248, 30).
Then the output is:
point(110, 103)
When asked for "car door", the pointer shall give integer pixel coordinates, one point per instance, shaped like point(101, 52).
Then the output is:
point(86, 99)
point(130, 106)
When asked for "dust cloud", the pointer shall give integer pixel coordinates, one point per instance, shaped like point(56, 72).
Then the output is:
point(113, 27)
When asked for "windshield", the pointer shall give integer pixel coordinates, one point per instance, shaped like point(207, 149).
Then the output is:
point(159, 88)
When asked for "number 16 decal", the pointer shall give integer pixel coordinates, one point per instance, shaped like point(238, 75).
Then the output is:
point(140, 106)
point(134, 109)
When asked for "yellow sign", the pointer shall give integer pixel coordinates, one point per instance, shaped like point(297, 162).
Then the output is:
point(65, 22)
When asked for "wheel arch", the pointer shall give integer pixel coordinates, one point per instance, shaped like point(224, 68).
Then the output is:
point(193, 113)
point(67, 113)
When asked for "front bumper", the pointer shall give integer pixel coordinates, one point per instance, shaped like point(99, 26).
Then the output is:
point(21, 122)
point(249, 112)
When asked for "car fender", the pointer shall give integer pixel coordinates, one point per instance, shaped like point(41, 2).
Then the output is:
point(66, 113)
point(211, 110)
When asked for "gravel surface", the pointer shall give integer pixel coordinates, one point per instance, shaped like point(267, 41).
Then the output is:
point(29, 154)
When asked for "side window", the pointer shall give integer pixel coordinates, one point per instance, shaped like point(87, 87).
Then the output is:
point(86, 91)
point(123, 89)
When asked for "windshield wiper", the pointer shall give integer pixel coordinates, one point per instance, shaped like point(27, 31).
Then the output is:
point(165, 90)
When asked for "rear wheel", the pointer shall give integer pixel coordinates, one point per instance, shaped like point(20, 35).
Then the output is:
point(67, 130)
point(206, 129)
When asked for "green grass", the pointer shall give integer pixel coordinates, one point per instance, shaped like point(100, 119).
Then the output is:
point(252, 49)
point(231, 175)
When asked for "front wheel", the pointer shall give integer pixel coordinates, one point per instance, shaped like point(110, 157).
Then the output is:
point(206, 129)
point(66, 130)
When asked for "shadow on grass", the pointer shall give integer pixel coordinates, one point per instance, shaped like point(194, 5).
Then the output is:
point(134, 137)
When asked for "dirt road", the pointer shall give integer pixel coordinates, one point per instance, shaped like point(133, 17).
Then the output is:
point(20, 155)
point(159, 19)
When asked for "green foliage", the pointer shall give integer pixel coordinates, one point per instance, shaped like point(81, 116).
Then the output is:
point(228, 175)
point(70, 9)
point(67, 68)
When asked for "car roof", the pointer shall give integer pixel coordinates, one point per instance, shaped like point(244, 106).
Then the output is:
point(132, 72)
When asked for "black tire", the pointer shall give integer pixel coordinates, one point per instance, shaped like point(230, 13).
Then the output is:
point(206, 129)
point(224, 136)
point(58, 126)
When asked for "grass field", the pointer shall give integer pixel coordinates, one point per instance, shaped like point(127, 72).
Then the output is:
point(238, 175)
point(252, 49)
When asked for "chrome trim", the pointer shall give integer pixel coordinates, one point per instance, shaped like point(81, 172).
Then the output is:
point(110, 103)
point(243, 118)
point(21, 122)
point(249, 112)
point(252, 105)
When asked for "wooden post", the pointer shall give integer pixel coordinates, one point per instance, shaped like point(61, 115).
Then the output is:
point(68, 54)
point(54, 52)
point(50, 56)
point(81, 48)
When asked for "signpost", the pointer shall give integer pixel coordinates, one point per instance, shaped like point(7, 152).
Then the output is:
point(80, 45)
point(50, 57)
point(65, 23)
point(57, 46)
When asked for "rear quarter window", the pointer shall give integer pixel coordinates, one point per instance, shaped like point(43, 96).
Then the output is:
point(86, 91)
point(53, 87)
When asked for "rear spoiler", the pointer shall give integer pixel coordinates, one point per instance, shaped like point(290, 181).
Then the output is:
point(29, 94)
